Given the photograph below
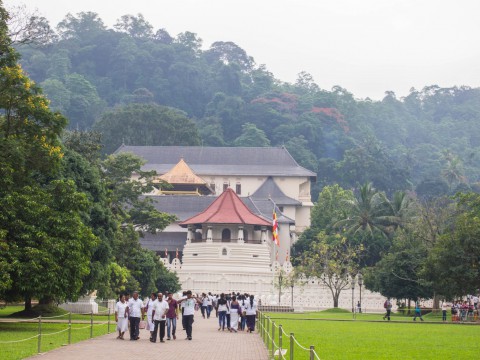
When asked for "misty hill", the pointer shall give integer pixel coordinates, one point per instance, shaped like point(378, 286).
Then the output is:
point(146, 87)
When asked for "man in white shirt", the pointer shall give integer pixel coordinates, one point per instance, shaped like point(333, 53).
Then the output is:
point(188, 311)
point(159, 314)
point(136, 310)
point(209, 304)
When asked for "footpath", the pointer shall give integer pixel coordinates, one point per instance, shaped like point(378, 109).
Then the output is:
point(208, 343)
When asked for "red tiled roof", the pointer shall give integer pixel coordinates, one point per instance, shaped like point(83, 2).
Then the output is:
point(228, 208)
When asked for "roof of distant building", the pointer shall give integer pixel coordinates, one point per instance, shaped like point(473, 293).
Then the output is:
point(182, 174)
point(270, 190)
point(254, 161)
point(228, 208)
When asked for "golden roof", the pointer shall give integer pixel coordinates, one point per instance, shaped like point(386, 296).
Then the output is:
point(182, 174)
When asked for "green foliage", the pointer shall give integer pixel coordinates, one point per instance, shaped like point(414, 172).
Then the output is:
point(145, 124)
point(399, 273)
point(252, 136)
point(454, 262)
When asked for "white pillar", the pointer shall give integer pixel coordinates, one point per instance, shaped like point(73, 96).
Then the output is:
point(263, 237)
point(209, 234)
point(189, 234)
point(240, 234)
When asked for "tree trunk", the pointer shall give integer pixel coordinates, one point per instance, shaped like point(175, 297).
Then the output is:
point(46, 301)
point(335, 300)
point(28, 303)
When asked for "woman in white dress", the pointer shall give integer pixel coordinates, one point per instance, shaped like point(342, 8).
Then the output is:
point(235, 310)
point(121, 316)
point(149, 308)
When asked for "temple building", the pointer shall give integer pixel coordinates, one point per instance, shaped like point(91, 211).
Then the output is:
point(228, 248)
point(190, 178)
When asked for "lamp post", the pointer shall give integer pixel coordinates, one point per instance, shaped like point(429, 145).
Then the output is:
point(353, 289)
point(291, 285)
point(360, 283)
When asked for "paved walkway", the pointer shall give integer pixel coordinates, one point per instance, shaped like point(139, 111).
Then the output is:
point(208, 344)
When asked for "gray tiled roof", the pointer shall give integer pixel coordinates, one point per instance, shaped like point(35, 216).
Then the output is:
point(186, 206)
point(254, 161)
point(161, 240)
point(270, 190)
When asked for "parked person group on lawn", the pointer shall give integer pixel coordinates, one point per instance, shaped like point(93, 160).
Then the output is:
point(235, 312)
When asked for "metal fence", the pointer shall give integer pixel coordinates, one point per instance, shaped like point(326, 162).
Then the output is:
point(61, 319)
point(281, 345)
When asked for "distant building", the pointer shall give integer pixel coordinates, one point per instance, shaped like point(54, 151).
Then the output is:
point(264, 178)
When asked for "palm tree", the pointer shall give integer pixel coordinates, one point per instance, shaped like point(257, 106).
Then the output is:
point(370, 212)
point(402, 208)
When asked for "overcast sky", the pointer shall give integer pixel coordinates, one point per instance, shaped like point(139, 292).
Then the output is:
point(365, 46)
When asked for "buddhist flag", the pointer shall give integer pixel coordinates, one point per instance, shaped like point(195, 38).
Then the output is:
point(176, 255)
point(287, 258)
point(275, 229)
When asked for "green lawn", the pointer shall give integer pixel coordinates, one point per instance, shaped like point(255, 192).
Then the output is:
point(24, 330)
point(18, 331)
point(7, 312)
point(378, 340)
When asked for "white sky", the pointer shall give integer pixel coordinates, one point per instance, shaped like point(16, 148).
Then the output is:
point(365, 46)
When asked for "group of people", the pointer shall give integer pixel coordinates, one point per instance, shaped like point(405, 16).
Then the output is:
point(235, 312)
point(461, 310)
point(467, 310)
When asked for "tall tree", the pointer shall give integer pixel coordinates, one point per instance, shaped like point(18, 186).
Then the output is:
point(146, 124)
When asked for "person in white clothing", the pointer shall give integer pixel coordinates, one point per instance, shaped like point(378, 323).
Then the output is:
point(148, 310)
point(188, 311)
point(136, 311)
point(235, 310)
point(121, 316)
point(159, 314)
point(251, 313)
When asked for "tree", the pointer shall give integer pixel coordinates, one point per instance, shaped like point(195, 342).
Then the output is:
point(399, 273)
point(334, 261)
point(454, 262)
point(251, 136)
point(28, 28)
point(145, 124)
point(49, 245)
point(369, 212)
point(135, 26)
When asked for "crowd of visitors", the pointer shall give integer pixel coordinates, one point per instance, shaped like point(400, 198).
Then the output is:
point(235, 312)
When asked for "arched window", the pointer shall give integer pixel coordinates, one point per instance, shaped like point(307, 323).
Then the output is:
point(224, 252)
point(226, 235)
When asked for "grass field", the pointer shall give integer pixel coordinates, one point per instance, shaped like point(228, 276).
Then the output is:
point(7, 312)
point(54, 335)
point(334, 339)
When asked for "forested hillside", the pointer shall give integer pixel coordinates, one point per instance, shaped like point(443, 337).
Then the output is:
point(144, 86)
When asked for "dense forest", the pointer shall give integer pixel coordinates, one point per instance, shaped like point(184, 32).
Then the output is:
point(397, 196)
point(132, 82)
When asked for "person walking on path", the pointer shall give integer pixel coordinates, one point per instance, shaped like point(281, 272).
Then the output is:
point(388, 306)
point(251, 313)
point(204, 307)
point(418, 311)
point(148, 311)
point(121, 316)
point(235, 311)
point(188, 312)
point(172, 316)
point(136, 310)
point(159, 313)
point(222, 307)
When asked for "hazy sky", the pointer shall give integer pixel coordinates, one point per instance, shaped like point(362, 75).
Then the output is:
point(365, 46)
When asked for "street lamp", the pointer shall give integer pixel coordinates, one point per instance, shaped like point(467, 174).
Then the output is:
point(360, 283)
point(353, 289)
